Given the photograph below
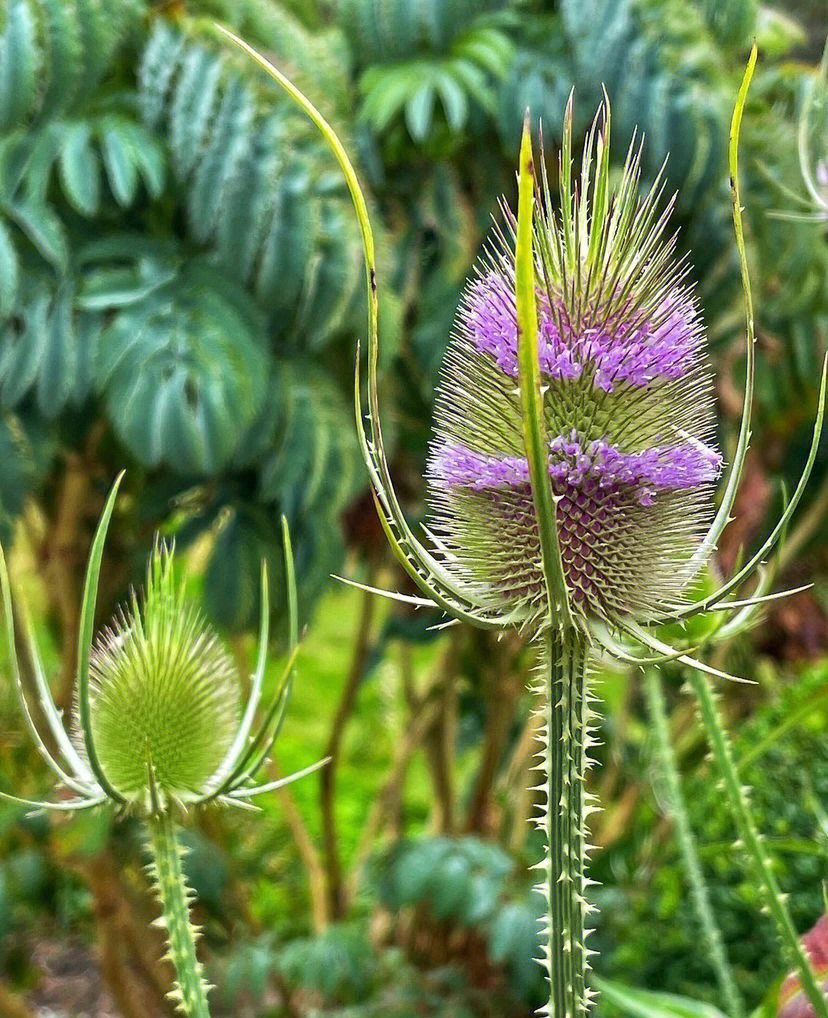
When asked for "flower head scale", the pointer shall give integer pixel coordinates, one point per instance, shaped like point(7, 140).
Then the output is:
point(157, 714)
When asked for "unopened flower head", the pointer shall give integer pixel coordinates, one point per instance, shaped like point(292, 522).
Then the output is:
point(627, 397)
point(164, 696)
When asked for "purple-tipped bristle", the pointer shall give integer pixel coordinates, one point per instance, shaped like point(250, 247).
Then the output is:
point(620, 347)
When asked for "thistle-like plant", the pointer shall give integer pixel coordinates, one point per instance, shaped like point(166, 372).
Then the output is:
point(572, 479)
point(158, 726)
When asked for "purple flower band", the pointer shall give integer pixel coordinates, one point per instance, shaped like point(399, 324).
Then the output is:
point(618, 351)
point(593, 469)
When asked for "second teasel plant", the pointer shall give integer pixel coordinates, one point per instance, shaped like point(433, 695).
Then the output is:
point(572, 480)
point(158, 727)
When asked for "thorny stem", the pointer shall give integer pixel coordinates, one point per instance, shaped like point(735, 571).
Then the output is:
point(687, 843)
point(754, 851)
point(565, 737)
point(175, 897)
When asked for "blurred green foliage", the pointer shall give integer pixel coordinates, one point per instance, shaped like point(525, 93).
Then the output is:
point(782, 754)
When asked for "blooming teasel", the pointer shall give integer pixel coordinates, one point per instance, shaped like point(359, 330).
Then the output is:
point(158, 726)
point(571, 477)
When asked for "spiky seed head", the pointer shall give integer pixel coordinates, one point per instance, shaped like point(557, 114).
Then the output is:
point(164, 698)
point(628, 407)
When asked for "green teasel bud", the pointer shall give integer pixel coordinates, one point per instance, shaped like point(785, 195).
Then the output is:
point(164, 694)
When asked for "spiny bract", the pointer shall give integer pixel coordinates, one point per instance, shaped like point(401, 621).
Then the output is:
point(164, 698)
point(627, 406)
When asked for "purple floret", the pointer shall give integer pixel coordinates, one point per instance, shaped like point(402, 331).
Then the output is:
point(456, 466)
point(594, 468)
point(598, 488)
point(633, 352)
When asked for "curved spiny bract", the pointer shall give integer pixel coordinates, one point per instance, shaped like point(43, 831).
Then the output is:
point(627, 409)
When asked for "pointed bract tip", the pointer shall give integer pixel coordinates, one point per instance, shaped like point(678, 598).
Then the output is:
point(527, 164)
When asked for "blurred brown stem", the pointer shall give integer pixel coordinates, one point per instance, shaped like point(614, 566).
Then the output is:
point(516, 783)
point(385, 799)
point(327, 786)
point(131, 955)
point(503, 689)
point(65, 550)
point(317, 877)
point(439, 743)
point(425, 708)
point(807, 524)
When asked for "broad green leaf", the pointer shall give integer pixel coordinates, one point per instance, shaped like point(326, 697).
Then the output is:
point(650, 1004)
point(193, 107)
point(22, 351)
point(185, 372)
point(63, 53)
point(117, 287)
point(454, 100)
point(43, 228)
point(18, 64)
point(57, 378)
point(149, 158)
point(120, 164)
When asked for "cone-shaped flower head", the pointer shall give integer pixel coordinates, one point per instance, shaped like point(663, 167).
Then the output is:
point(627, 406)
point(164, 698)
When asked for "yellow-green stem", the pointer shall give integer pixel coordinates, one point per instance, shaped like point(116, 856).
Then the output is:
point(563, 820)
point(175, 897)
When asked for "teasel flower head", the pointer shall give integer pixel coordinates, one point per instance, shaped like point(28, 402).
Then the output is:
point(163, 694)
point(571, 477)
point(627, 407)
point(158, 725)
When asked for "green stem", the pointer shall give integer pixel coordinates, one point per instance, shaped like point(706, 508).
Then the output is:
point(175, 897)
point(687, 844)
point(563, 821)
point(755, 854)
